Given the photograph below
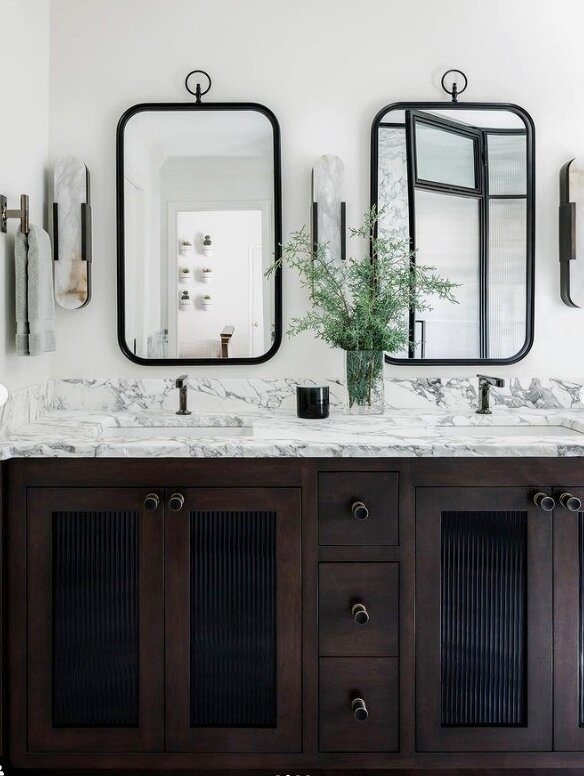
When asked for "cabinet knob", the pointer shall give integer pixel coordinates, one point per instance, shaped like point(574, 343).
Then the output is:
point(359, 708)
point(545, 502)
point(571, 502)
point(176, 502)
point(360, 614)
point(151, 502)
point(359, 510)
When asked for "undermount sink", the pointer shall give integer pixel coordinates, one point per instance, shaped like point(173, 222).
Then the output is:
point(495, 431)
point(173, 432)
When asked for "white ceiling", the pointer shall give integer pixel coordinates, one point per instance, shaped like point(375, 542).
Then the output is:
point(202, 133)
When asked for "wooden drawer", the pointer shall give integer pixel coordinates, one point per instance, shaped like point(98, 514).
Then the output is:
point(339, 491)
point(375, 680)
point(341, 587)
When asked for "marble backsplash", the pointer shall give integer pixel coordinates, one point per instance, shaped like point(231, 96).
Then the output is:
point(240, 395)
point(205, 394)
point(26, 405)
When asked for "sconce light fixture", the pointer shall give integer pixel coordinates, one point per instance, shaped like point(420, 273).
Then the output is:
point(572, 233)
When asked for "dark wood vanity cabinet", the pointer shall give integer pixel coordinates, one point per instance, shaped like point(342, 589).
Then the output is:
point(293, 615)
point(153, 619)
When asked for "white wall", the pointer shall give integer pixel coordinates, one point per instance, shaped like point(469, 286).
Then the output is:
point(324, 68)
point(24, 129)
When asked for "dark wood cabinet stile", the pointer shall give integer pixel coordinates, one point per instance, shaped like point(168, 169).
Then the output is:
point(568, 622)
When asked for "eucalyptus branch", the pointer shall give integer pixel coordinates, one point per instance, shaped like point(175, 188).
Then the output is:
point(363, 303)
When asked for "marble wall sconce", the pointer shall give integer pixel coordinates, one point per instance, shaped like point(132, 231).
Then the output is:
point(72, 244)
point(328, 206)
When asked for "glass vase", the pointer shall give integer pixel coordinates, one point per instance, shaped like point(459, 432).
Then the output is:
point(364, 381)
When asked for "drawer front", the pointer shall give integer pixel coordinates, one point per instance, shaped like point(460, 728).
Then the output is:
point(358, 508)
point(375, 681)
point(358, 609)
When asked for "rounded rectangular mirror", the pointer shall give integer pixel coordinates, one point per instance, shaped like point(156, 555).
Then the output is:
point(456, 180)
point(199, 223)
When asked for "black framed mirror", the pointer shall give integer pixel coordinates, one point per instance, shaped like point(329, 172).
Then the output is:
point(199, 221)
point(457, 181)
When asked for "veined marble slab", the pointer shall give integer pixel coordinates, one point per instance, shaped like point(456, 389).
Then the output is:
point(238, 394)
point(26, 406)
point(64, 417)
point(83, 434)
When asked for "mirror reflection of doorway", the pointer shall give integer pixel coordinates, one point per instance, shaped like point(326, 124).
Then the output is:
point(230, 323)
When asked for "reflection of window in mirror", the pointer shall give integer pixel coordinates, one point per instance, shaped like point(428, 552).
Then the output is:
point(455, 184)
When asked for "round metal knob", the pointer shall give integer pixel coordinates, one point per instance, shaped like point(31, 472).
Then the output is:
point(176, 502)
point(545, 502)
point(359, 510)
point(359, 709)
point(360, 614)
point(151, 502)
point(571, 502)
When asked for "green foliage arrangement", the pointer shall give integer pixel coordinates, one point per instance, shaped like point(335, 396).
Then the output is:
point(361, 304)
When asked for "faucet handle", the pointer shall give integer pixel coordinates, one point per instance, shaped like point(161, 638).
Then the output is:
point(180, 381)
point(498, 382)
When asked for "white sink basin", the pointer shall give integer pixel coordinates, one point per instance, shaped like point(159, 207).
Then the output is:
point(536, 432)
point(174, 432)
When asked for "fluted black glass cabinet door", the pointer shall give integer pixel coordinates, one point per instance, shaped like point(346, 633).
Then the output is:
point(233, 620)
point(483, 620)
point(569, 625)
point(94, 621)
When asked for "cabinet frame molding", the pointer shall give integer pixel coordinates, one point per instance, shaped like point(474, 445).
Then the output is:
point(42, 736)
point(431, 736)
point(287, 735)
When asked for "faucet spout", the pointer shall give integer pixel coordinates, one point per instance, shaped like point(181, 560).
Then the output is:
point(181, 384)
point(485, 383)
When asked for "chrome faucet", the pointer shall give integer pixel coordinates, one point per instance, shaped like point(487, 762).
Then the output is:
point(484, 389)
point(181, 384)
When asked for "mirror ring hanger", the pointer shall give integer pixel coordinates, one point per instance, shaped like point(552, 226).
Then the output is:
point(198, 93)
point(454, 91)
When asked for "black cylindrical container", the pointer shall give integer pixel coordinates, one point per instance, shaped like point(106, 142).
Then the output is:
point(312, 403)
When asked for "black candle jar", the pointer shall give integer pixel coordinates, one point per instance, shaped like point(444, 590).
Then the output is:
point(312, 403)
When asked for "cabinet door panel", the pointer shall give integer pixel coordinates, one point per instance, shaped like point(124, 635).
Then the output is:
point(569, 627)
point(94, 621)
point(483, 620)
point(233, 630)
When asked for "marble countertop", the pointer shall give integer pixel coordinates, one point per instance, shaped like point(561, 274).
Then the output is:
point(279, 433)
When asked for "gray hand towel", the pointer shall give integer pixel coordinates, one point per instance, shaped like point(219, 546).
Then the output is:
point(41, 298)
point(21, 293)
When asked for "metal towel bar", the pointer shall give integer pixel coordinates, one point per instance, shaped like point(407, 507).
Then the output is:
point(22, 214)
